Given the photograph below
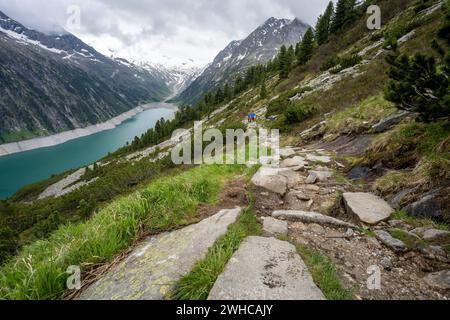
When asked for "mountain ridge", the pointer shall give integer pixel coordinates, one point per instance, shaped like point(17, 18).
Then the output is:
point(260, 46)
point(55, 83)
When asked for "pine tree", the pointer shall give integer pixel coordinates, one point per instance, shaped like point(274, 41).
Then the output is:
point(283, 61)
point(290, 57)
point(324, 25)
point(297, 48)
point(227, 92)
point(416, 85)
point(219, 96)
point(306, 48)
point(263, 93)
point(345, 14)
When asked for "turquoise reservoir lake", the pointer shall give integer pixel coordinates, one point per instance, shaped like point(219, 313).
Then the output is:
point(20, 169)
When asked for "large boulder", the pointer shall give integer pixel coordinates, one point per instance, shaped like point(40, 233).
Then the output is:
point(369, 208)
point(271, 180)
point(265, 269)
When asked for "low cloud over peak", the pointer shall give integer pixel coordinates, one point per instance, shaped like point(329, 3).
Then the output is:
point(160, 31)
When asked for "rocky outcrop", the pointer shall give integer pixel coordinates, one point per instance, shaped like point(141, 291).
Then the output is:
point(369, 208)
point(265, 269)
point(390, 121)
point(153, 268)
point(428, 206)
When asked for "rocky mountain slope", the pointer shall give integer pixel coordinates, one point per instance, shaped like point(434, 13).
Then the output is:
point(260, 46)
point(53, 83)
point(355, 208)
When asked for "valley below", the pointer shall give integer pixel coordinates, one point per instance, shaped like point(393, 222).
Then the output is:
point(26, 162)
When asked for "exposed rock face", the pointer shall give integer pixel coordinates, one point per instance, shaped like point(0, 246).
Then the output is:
point(358, 173)
point(275, 227)
point(153, 268)
point(390, 241)
point(389, 122)
point(428, 206)
point(396, 201)
point(369, 208)
point(265, 269)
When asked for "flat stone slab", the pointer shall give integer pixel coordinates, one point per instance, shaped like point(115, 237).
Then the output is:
point(154, 267)
point(265, 269)
point(368, 207)
point(434, 234)
point(275, 227)
point(311, 217)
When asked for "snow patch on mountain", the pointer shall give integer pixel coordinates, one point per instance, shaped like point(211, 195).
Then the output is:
point(23, 39)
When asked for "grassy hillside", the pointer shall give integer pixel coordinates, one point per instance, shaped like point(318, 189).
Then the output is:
point(39, 272)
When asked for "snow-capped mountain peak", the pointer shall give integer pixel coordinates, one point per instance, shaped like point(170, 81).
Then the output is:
point(259, 47)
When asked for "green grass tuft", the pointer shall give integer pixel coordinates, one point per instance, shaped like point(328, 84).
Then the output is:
point(418, 222)
point(411, 242)
point(39, 271)
point(324, 274)
point(199, 282)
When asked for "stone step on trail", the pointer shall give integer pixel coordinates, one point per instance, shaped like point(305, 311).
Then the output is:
point(276, 180)
point(275, 227)
point(311, 217)
point(265, 269)
point(153, 268)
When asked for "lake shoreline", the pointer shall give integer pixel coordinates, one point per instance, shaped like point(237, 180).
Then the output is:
point(63, 137)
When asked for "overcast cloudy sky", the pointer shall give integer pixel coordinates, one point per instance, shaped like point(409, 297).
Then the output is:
point(162, 31)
